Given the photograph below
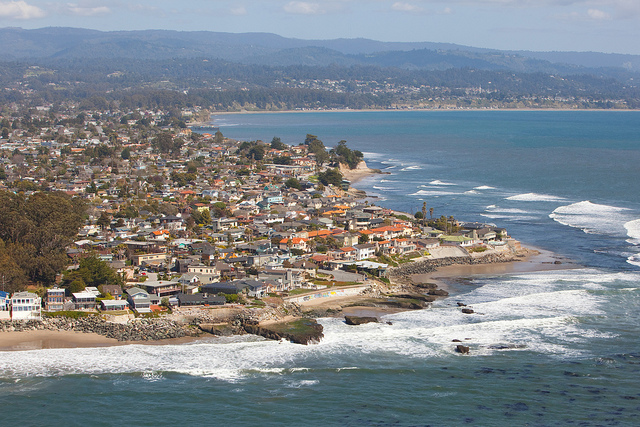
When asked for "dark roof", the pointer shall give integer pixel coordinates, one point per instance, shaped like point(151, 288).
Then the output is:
point(200, 299)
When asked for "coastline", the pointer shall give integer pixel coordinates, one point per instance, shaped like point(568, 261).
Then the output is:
point(454, 279)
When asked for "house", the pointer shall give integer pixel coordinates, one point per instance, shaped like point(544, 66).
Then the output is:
point(296, 243)
point(202, 269)
point(162, 288)
point(84, 300)
point(146, 259)
point(364, 251)
point(25, 306)
point(113, 305)
point(113, 290)
point(200, 299)
point(138, 300)
point(54, 300)
point(5, 305)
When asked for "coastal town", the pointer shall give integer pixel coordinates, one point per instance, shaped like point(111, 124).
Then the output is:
point(177, 223)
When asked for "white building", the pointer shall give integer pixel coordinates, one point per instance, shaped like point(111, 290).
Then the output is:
point(25, 306)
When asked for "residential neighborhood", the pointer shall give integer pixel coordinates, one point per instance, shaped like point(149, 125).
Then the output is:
point(186, 218)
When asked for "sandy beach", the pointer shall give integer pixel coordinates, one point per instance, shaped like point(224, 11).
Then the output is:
point(46, 339)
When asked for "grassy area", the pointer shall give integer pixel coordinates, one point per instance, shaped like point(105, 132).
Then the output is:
point(68, 314)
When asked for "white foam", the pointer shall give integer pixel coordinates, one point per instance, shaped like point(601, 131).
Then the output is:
point(538, 312)
point(381, 188)
point(411, 168)
point(438, 182)
point(633, 231)
point(535, 197)
point(593, 218)
point(494, 208)
point(484, 187)
point(634, 260)
point(434, 193)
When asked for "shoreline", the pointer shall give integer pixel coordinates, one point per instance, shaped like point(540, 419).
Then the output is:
point(451, 278)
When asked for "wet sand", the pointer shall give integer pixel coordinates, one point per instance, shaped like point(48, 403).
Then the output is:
point(445, 277)
point(47, 339)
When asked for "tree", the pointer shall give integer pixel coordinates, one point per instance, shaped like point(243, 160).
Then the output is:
point(104, 221)
point(277, 144)
point(37, 229)
point(293, 183)
point(126, 154)
point(92, 271)
point(218, 138)
point(317, 148)
point(330, 176)
point(424, 213)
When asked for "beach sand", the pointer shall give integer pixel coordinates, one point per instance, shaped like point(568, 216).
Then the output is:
point(446, 277)
point(43, 339)
point(46, 339)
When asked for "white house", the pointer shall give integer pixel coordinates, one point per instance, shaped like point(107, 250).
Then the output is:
point(25, 306)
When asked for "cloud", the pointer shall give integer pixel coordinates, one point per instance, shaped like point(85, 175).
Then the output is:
point(238, 10)
point(87, 11)
point(598, 15)
point(406, 7)
point(303, 8)
point(20, 10)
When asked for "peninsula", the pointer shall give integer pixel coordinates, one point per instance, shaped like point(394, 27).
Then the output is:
point(129, 225)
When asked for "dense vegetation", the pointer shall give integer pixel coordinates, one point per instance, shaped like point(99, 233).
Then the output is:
point(34, 232)
point(100, 84)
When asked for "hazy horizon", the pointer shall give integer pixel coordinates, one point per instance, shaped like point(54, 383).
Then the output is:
point(607, 26)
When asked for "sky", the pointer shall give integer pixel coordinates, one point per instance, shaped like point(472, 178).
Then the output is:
point(611, 26)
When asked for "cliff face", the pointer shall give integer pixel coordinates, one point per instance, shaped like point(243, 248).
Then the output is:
point(359, 172)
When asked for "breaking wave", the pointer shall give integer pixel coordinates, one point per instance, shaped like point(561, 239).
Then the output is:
point(535, 197)
point(594, 218)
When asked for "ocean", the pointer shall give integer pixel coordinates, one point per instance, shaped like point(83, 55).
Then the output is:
point(547, 348)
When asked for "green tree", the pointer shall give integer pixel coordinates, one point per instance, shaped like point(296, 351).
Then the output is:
point(277, 144)
point(37, 229)
point(293, 183)
point(92, 271)
point(330, 176)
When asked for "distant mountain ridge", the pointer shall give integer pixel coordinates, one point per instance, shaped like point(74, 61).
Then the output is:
point(273, 50)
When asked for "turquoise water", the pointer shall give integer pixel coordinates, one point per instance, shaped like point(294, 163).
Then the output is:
point(548, 348)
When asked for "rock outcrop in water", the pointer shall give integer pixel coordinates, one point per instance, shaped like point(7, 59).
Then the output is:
point(299, 331)
point(359, 320)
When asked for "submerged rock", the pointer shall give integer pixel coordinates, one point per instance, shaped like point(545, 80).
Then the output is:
point(467, 311)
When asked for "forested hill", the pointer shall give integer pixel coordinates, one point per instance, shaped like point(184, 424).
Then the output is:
point(271, 49)
point(229, 72)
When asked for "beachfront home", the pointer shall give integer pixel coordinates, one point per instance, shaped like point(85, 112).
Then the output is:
point(54, 300)
point(25, 306)
point(139, 300)
point(84, 300)
point(5, 306)
point(200, 299)
point(113, 305)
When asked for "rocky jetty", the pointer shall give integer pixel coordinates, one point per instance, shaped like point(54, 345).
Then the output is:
point(134, 330)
